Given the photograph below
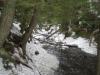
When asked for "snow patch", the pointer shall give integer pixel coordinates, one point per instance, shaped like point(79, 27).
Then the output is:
point(82, 43)
point(2, 70)
point(46, 63)
point(16, 29)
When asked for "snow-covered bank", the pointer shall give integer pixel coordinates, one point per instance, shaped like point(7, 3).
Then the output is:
point(2, 70)
point(81, 42)
point(44, 62)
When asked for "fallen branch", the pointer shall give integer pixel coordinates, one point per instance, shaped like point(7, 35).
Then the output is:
point(57, 43)
point(52, 34)
point(16, 57)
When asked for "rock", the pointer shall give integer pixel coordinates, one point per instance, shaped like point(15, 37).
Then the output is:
point(36, 52)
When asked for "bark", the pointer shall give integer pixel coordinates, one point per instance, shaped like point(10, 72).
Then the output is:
point(28, 32)
point(2, 2)
point(98, 54)
point(6, 20)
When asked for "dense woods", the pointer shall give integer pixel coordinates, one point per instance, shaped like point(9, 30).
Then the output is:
point(79, 16)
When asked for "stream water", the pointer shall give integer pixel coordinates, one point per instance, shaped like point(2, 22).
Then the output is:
point(53, 60)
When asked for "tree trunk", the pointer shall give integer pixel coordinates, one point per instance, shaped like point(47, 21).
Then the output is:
point(28, 32)
point(98, 54)
point(6, 20)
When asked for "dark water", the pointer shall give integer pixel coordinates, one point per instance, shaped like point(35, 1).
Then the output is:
point(73, 61)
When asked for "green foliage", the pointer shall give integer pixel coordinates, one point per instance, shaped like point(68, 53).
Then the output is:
point(85, 21)
point(89, 22)
point(64, 12)
point(96, 6)
point(58, 11)
point(24, 10)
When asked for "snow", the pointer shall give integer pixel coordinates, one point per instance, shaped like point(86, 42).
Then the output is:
point(44, 63)
point(2, 70)
point(16, 29)
point(81, 42)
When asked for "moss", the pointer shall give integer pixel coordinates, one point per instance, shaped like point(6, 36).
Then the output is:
point(6, 55)
point(3, 53)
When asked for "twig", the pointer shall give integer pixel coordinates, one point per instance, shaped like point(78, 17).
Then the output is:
point(52, 34)
point(57, 43)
